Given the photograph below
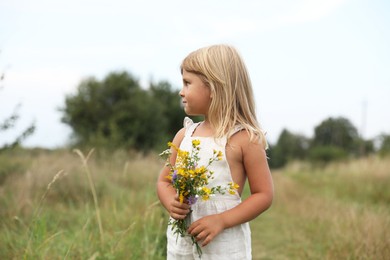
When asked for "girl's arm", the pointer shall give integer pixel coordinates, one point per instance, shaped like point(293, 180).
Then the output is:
point(255, 165)
point(260, 182)
point(166, 193)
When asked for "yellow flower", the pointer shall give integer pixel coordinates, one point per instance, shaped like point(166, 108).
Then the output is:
point(219, 155)
point(181, 155)
point(191, 173)
point(200, 170)
point(195, 143)
point(234, 185)
point(170, 144)
point(233, 188)
point(181, 197)
point(206, 194)
point(206, 190)
point(181, 172)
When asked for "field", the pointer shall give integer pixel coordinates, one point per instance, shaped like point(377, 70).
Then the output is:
point(79, 205)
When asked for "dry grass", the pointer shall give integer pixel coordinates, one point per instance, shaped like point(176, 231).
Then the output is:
point(61, 205)
point(49, 211)
point(328, 213)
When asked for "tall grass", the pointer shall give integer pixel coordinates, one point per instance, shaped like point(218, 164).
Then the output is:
point(66, 225)
point(341, 211)
point(65, 205)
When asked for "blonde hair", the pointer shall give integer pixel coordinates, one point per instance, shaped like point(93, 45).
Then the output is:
point(222, 69)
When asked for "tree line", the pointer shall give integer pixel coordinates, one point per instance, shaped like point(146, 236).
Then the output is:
point(334, 139)
point(118, 113)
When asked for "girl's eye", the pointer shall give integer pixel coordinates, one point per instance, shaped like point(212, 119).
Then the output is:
point(186, 83)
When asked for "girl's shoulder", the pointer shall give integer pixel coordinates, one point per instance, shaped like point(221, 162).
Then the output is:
point(248, 136)
point(242, 138)
point(179, 137)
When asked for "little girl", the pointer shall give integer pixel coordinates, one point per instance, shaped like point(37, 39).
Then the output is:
point(216, 85)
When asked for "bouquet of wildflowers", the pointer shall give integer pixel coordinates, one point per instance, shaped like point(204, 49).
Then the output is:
point(190, 180)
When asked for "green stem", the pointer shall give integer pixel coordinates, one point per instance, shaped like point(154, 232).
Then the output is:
point(93, 190)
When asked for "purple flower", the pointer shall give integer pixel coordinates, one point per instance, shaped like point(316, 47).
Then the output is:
point(192, 199)
point(174, 176)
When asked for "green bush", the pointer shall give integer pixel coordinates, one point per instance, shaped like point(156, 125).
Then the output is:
point(117, 112)
point(325, 154)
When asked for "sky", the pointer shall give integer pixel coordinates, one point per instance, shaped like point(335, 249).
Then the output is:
point(308, 59)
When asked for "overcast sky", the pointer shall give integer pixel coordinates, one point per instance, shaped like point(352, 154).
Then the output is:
point(308, 59)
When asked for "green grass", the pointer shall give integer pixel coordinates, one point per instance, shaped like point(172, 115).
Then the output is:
point(50, 209)
point(338, 212)
point(47, 218)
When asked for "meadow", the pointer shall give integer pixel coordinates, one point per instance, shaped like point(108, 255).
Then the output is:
point(102, 205)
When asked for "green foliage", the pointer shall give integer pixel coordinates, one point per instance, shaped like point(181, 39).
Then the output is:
point(338, 132)
point(9, 123)
point(384, 148)
point(288, 147)
point(168, 102)
point(116, 112)
point(365, 147)
point(334, 139)
point(325, 154)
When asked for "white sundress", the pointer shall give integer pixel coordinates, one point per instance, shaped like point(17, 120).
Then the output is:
point(232, 243)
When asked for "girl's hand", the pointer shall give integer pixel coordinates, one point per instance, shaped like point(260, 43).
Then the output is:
point(178, 210)
point(206, 228)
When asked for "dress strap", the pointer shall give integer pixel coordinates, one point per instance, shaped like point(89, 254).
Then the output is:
point(187, 122)
point(236, 129)
point(190, 126)
point(224, 140)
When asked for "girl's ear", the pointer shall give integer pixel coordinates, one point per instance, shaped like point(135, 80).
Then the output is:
point(211, 90)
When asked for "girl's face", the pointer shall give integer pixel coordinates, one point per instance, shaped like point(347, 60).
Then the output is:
point(195, 94)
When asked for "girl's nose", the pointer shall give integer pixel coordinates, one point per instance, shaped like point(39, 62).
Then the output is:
point(181, 93)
